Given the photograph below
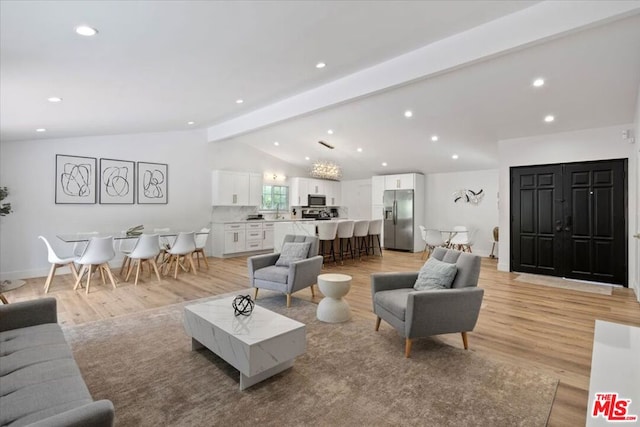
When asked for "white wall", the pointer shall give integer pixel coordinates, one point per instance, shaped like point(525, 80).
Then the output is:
point(441, 212)
point(27, 168)
point(584, 145)
point(356, 198)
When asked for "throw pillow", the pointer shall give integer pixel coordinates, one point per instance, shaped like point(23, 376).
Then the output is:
point(435, 274)
point(293, 251)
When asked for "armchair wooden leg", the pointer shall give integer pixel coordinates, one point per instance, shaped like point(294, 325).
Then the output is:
point(313, 292)
point(255, 294)
point(464, 340)
point(407, 347)
point(378, 323)
point(288, 300)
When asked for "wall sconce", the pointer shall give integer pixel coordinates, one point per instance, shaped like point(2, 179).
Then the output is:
point(271, 176)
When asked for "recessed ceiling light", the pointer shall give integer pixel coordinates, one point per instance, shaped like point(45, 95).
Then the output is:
point(454, 157)
point(191, 123)
point(321, 65)
point(54, 99)
point(85, 30)
point(434, 138)
point(359, 150)
point(408, 113)
point(330, 131)
point(538, 82)
point(384, 163)
point(239, 101)
point(549, 118)
point(307, 158)
point(276, 143)
point(41, 130)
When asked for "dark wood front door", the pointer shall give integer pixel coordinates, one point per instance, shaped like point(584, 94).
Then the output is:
point(569, 220)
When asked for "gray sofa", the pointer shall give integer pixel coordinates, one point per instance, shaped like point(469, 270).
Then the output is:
point(40, 383)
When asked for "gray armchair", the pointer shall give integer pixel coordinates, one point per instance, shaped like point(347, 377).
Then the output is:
point(263, 273)
point(416, 314)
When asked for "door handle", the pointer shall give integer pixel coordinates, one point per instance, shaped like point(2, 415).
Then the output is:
point(558, 225)
point(395, 212)
point(567, 223)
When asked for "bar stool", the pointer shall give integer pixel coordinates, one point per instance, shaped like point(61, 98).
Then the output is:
point(375, 228)
point(361, 234)
point(327, 232)
point(345, 232)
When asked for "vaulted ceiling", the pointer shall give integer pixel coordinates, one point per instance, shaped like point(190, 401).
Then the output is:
point(463, 68)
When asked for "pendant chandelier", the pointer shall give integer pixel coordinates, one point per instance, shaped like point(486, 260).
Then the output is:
point(325, 169)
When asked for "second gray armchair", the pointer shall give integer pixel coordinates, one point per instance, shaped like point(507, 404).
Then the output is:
point(422, 313)
point(265, 273)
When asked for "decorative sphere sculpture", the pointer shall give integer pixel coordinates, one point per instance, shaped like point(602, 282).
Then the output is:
point(242, 305)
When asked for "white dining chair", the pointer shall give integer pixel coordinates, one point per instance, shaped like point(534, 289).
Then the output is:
point(423, 234)
point(81, 245)
point(146, 250)
point(201, 242)
point(98, 253)
point(165, 244)
point(433, 239)
point(184, 246)
point(460, 239)
point(56, 262)
point(125, 246)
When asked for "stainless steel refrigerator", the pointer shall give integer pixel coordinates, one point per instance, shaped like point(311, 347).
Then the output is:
point(398, 219)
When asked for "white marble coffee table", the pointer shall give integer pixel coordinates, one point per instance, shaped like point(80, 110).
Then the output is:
point(259, 346)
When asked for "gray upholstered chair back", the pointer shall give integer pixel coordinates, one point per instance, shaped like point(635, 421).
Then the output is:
point(468, 266)
point(313, 250)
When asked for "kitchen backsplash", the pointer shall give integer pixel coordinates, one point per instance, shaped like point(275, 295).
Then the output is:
point(240, 213)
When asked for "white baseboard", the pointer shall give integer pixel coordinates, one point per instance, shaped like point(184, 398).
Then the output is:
point(44, 272)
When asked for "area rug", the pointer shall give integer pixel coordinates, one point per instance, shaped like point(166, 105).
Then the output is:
point(559, 282)
point(349, 376)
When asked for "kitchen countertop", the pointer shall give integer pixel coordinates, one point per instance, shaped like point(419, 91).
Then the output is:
point(268, 220)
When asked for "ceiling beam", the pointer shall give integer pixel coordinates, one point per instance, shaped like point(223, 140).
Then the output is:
point(538, 23)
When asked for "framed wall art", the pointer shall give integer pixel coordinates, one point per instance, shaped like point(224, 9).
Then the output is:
point(117, 182)
point(75, 179)
point(153, 183)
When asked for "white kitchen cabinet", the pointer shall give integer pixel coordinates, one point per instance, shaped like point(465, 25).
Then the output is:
point(267, 235)
point(255, 189)
point(333, 191)
point(298, 191)
point(231, 188)
point(400, 182)
point(377, 189)
point(234, 241)
point(317, 186)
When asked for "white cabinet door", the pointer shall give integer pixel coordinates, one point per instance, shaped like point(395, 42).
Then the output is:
point(299, 191)
point(334, 193)
point(317, 186)
point(234, 241)
point(230, 188)
point(377, 189)
point(255, 189)
point(399, 182)
point(267, 235)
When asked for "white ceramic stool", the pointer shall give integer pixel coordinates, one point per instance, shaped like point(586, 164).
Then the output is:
point(332, 308)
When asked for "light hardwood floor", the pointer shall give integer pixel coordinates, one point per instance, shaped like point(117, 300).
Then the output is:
point(545, 329)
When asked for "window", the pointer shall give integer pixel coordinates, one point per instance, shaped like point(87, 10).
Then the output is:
point(275, 198)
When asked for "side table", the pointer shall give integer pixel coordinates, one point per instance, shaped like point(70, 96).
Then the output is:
point(333, 308)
